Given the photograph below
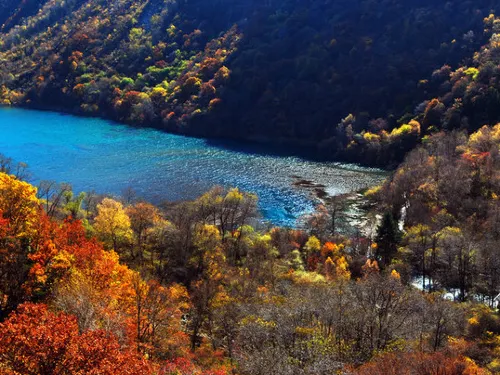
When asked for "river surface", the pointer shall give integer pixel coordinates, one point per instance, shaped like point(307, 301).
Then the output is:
point(100, 155)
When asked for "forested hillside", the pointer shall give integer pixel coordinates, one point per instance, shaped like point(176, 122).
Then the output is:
point(12, 12)
point(278, 71)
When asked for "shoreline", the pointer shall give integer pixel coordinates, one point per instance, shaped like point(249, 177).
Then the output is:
point(355, 210)
point(307, 150)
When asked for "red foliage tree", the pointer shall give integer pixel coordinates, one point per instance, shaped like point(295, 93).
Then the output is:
point(37, 341)
point(421, 364)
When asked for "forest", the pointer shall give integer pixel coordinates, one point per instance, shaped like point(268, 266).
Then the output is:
point(340, 79)
point(114, 285)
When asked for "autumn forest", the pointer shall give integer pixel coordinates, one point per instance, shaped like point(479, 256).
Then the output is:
point(113, 284)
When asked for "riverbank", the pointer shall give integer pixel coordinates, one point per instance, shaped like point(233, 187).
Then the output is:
point(354, 212)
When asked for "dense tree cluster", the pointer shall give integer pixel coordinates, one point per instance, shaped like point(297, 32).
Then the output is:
point(466, 99)
point(446, 192)
point(69, 306)
point(205, 292)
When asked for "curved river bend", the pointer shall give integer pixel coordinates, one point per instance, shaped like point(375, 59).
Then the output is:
point(95, 154)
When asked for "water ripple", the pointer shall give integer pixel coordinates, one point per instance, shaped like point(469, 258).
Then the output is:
point(108, 157)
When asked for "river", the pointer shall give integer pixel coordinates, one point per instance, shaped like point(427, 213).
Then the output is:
point(100, 155)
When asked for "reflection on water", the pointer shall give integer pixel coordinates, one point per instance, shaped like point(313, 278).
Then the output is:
point(97, 154)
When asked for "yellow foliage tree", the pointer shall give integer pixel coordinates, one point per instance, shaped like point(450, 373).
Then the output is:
point(312, 245)
point(336, 266)
point(112, 223)
point(18, 204)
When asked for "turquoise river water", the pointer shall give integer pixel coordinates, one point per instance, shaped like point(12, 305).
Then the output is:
point(95, 154)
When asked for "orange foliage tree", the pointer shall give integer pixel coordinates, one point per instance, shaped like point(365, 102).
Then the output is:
point(36, 341)
point(418, 363)
point(19, 216)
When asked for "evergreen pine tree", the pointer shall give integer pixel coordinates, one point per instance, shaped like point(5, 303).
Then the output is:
point(387, 239)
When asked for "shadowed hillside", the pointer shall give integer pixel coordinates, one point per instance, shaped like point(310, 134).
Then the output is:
point(274, 71)
point(12, 12)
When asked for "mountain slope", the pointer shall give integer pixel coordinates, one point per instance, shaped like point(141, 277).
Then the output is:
point(13, 12)
point(465, 99)
point(267, 70)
